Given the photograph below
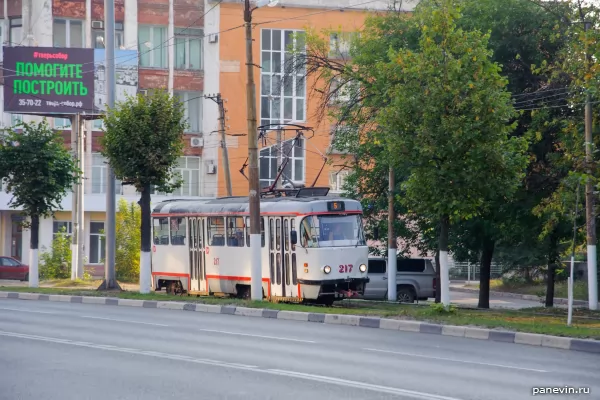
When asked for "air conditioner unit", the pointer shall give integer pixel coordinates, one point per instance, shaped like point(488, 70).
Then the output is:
point(213, 38)
point(97, 25)
point(143, 92)
point(197, 142)
point(211, 169)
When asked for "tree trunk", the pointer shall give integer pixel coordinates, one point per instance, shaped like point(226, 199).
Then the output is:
point(444, 273)
point(485, 272)
point(146, 245)
point(552, 259)
point(34, 275)
point(438, 293)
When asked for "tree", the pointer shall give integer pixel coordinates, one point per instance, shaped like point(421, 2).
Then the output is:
point(56, 263)
point(127, 258)
point(452, 116)
point(39, 171)
point(142, 141)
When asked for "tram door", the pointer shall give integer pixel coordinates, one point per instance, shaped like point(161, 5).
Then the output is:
point(282, 257)
point(197, 270)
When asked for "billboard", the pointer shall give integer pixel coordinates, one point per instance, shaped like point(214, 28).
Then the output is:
point(48, 80)
point(126, 80)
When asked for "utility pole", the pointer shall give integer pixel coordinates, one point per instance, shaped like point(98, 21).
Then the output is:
point(224, 151)
point(75, 138)
point(110, 281)
point(392, 243)
point(279, 183)
point(80, 199)
point(589, 199)
point(253, 182)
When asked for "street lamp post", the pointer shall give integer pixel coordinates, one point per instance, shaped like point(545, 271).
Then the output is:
point(254, 186)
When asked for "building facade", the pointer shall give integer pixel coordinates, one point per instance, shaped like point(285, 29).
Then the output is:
point(193, 49)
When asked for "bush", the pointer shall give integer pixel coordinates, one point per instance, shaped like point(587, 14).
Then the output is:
point(127, 257)
point(56, 264)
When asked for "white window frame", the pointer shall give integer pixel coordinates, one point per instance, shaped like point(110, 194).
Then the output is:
point(272, 154)
point(270, 95)
point(185, 99)
point(98, 237)
point(337, 180)
point(13, 24)
point(15, 119)
point(55, 232)
point(68, 31)
point(152, 51)
point(99, 166)
point(187, 35)
point(339, 44)
point(62, 124)
point(180, 169)
point(119, 36)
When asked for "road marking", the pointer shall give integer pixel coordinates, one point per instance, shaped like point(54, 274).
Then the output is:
point(123, 320)
point(29, 311)
point(258, 336)
point(291, 374)
point(455, 360)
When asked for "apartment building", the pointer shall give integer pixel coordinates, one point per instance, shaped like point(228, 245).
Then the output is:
point(191, 48)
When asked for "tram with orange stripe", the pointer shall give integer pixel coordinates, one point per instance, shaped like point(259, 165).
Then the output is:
point(313, 247)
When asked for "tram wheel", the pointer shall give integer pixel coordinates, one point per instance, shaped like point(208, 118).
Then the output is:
point(172, 288)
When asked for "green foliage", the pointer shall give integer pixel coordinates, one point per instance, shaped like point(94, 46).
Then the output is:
point(39, 171)
point(127, 258)
point(56, 263)
point(143, 138)
point(440, 309)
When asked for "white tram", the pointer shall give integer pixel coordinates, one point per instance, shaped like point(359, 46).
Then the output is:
point(313, 248)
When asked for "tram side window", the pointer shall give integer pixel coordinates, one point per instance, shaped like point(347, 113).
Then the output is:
point(216, 231)
point(178, 231)
point(235, 232)
point(161, 230)
point(262, 231)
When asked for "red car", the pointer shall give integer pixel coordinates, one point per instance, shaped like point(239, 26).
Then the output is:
point(13, 269)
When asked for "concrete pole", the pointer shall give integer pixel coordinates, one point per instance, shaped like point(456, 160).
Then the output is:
point(224, 152)
point(392, 243)
point(75, 203)
point(589, 202)
point(110, 228)
point(254, 185)
point(80, 200)
point(279, 183)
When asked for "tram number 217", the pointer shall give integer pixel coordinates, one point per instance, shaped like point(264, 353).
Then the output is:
point(345, 268)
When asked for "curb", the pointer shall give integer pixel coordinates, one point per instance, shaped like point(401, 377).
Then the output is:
point(531, 297)
point(531, 339)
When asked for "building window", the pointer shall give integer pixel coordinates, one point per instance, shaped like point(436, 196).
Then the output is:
point(99, 33)
point(293, 171)
point(68, 33)
point(283, 95)
point(339, 44)
point(16, 31)
point(97, 124)
point(62, 123)
point(16, 119)
point(152, 47)
point(100, 175)
point(62, 228)
point(97, 242)
point(192, 103)
point(337, 180)
point(189, 169)
point(188, 48)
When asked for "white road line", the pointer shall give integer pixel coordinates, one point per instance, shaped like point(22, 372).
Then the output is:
point(29, 311)
point(455, 360)
point(258, 336)
point(291, 374)
point(123, 320)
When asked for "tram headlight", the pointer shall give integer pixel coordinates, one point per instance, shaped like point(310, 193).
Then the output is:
point(327, 269)
point(362, 268)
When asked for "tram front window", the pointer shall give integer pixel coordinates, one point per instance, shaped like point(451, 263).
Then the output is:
point(332, 230)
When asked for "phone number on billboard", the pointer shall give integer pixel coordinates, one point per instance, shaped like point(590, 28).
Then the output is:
point(38, 103)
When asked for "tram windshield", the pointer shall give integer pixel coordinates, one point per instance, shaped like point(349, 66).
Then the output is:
point(332, 231)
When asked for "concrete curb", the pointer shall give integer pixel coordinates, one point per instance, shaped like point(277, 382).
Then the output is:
point(529, 297)
point(530, 339)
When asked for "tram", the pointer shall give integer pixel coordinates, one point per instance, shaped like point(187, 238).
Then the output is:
point(313, 247)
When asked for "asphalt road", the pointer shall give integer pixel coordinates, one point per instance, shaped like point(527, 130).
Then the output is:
point(63, 351)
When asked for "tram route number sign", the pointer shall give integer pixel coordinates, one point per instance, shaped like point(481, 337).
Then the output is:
point(47, 80)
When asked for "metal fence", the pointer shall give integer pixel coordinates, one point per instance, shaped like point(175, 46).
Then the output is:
point(470, 271)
